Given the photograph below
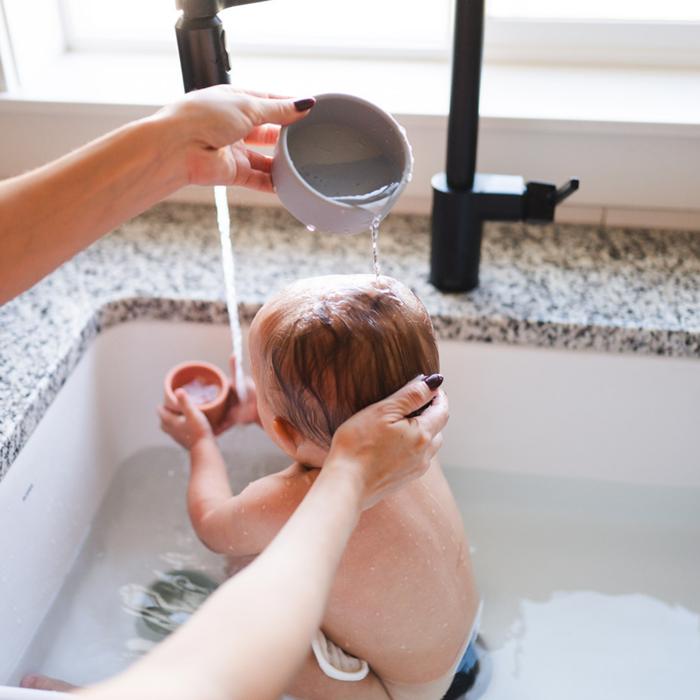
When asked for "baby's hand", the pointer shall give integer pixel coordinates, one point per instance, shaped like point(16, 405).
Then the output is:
point(188, 427)
point(239, 412)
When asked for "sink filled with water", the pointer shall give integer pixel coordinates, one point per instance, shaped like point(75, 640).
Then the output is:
point(591, 589)
point(580, 498)
point(580, 579)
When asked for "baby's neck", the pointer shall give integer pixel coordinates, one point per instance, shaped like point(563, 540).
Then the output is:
point(308, 467)
point(310, 456)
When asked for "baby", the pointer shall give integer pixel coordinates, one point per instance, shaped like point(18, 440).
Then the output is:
point(401, 618)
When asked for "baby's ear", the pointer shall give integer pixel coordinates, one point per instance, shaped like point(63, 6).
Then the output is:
point(287, 435)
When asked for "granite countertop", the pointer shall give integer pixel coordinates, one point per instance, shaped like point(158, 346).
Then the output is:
point(558, 286)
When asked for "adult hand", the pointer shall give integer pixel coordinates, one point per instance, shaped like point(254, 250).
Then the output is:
point(383, 447)
point(49, 214)
point(278, 601)
point(220, 124)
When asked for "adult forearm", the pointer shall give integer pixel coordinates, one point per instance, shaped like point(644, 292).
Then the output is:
point(48, 215)
point(283, 595)
point(253, 634)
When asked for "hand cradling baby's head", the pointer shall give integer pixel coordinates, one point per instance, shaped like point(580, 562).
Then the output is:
point(326, 347)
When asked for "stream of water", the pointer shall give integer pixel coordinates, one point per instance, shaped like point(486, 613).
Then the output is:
point(224, 221)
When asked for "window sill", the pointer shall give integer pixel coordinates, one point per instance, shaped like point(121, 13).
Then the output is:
point(529, 92)
point(633, 136)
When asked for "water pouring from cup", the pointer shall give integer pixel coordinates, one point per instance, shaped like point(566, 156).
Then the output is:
point(342, 168)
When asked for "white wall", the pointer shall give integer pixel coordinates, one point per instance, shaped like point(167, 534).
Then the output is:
point(630, 174)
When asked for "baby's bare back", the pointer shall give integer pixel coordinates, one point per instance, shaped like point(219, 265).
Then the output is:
point(404, 598)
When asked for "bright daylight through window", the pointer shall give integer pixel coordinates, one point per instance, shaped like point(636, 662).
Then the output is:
point(621, 10)
point(293, 24)
point(408, 26)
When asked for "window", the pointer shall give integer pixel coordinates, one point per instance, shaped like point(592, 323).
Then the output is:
point(547, 61)
point(130, 38)
point(644, 33)
point(619, 32)
point(416, 27)
point(619, 10)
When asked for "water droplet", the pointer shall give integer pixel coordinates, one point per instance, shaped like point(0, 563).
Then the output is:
point(310, 228)
point(374, 230)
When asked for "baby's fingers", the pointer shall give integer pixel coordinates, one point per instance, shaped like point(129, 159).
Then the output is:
point(189, 410)
point(169, 420)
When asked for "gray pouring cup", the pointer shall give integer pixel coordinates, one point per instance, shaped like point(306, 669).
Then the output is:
point(333, 169)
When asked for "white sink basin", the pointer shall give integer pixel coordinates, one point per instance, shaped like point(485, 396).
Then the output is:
point(578, 475)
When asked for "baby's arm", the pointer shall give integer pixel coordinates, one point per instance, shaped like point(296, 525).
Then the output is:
point(244, 524)
point(236, 525)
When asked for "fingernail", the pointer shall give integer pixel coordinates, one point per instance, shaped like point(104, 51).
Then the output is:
point(434, 381)
point(305, 105)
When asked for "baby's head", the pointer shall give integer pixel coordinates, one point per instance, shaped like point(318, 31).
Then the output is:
point(324, 348)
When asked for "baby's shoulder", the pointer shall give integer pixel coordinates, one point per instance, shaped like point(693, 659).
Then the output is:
point(275, 497)
point(289, 485)
point(298, 473)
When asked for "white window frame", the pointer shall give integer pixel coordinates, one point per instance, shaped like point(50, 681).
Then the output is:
point(552, 110)
point(607, 43)
point(8, 74)
point(246, 47)
point(516, 41)
point(30, 45)
point(618, 43)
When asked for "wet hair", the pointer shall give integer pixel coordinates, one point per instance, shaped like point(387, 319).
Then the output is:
point(330, 346)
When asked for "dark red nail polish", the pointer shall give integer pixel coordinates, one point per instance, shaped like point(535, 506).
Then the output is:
point(434, 381)
point(305, 105)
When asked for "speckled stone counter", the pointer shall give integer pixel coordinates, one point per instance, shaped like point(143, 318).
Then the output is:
point(572, 287)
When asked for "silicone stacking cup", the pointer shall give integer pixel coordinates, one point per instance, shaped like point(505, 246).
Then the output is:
point(205, 373)
point(316, 162)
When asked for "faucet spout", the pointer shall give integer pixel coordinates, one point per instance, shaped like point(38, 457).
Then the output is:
point(201, 42)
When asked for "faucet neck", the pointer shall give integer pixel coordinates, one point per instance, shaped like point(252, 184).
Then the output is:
point(463, 126)
point(199, 9)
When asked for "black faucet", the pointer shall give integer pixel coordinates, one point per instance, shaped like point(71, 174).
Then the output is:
point(462, 198)
point(201, 41)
